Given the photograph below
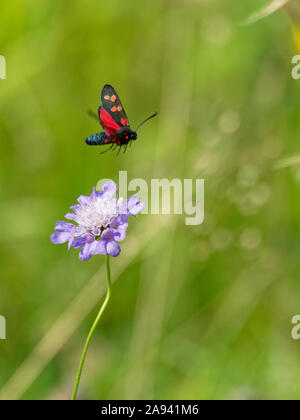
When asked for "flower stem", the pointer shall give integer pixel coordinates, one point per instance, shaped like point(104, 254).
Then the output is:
point(107, 297)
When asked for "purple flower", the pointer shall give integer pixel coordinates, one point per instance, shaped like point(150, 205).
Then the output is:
point(101, 222)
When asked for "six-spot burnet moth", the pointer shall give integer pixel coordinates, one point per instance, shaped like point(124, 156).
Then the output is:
point(114, 121)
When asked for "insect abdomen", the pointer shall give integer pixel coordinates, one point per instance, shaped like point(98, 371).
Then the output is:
point(96, 139)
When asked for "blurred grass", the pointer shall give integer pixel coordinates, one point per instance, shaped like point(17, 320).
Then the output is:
point(199, 312)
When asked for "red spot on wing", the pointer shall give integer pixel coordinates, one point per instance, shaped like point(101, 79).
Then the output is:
point(113, 109)
point(113, 98)
point(108, 123)
point(124, 121)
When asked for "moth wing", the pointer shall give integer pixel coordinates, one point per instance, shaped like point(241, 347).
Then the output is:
point(108, 123)
point(112, 104)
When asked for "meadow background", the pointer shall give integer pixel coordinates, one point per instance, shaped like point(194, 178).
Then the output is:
point(196, 312)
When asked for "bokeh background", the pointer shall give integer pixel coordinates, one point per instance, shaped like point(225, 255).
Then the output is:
point(197, 312)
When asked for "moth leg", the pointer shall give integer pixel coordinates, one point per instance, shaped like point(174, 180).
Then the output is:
point(125, 148)
point(93, 115)
point(119, 150)
point(101, 153)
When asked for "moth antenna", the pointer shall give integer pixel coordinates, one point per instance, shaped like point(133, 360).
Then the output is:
point(147, 119)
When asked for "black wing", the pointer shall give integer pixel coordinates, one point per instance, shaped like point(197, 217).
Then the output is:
point(112, 104)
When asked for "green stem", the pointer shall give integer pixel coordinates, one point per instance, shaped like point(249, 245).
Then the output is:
point(107, 297)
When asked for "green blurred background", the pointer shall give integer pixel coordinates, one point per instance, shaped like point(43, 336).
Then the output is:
point(197, 312)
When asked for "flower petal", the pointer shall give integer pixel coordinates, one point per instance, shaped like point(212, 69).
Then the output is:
point(60, 237)
point(113, 249)
point(118, 234)
point(120, 220)
point(100, 248)
point(75, 207)
point(109, 190)
point(71, 216)
point(138, 208)
point(64, 226)
point(134, 205)
point(87, 251)
point(96, 231)
point(94, 194)
point(79, 242)
point(83, 200)
point(113, 234)
point(107, 235)
point(122, 232)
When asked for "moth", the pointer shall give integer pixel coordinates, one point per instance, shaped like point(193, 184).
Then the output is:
point(114, 121)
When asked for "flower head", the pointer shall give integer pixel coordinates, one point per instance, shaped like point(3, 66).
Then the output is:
point(101, 222)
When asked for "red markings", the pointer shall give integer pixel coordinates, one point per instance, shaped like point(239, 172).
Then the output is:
point(106, 140)
point(107, 122)
point(124, 122)
point(118, 142)
point(113, 98)
point(116, 108)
